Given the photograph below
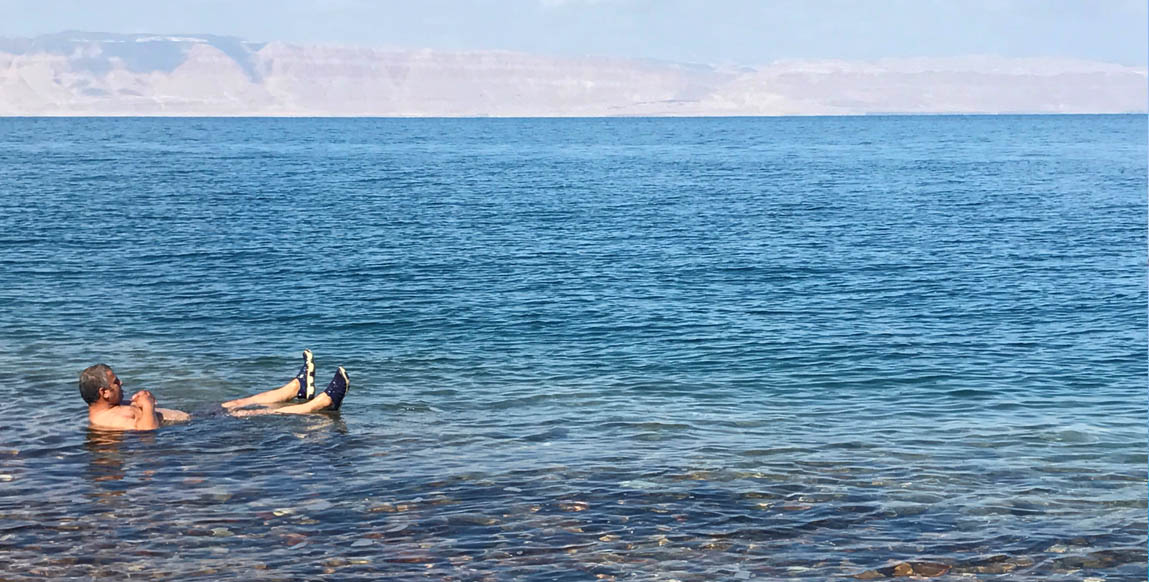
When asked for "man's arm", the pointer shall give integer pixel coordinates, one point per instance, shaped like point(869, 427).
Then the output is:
point(169, 415)
point(144, 409)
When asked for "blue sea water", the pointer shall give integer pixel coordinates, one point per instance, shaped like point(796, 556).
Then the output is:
point(621, 349)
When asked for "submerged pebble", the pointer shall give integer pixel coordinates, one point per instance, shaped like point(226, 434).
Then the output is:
point(904, 569)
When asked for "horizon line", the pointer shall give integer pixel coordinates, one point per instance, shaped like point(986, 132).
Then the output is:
point(589, 117)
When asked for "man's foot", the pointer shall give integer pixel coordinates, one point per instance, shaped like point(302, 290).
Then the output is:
point(337, 389)
point(306, 377)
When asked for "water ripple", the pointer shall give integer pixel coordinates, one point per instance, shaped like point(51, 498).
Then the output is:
point(581, 349)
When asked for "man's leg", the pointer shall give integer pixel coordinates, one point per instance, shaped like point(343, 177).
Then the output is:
point(330, 398)
point(275, 396)
point(301, 386)
point(316, 404)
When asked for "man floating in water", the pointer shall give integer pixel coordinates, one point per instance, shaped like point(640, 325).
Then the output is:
point(104, 393)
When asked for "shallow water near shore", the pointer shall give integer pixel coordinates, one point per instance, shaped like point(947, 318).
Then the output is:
point(631, 349)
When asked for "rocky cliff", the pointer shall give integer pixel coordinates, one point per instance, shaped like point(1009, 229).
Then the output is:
point(113, 74)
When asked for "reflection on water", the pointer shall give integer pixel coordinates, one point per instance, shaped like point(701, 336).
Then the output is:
point(106, 460)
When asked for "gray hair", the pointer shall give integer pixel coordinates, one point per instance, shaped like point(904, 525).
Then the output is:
point(92, 379)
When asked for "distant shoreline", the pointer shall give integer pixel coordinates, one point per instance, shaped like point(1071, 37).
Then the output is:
point(125, 75)
point(571, 117)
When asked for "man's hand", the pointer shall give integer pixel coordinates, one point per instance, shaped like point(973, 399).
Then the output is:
point(146, 418)
point(144, 400)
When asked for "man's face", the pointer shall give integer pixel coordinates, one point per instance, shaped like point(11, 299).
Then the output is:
point(115, 391)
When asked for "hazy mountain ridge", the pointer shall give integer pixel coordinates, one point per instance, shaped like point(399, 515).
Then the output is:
point(80, 73)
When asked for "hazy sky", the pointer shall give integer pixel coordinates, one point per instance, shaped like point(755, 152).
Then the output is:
point(745, 32)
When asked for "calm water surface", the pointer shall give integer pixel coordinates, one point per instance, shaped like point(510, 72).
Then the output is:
point(634, 349)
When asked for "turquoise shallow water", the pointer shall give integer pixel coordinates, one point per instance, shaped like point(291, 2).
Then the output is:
point(632, 349)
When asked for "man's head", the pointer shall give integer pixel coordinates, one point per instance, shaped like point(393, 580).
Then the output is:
point(99, 382)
